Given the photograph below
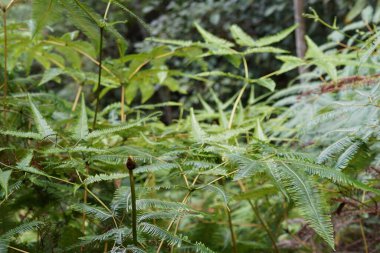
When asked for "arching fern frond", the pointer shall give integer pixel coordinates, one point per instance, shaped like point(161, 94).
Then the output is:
point(95, 211)
point(310, 203)
point(159, 233)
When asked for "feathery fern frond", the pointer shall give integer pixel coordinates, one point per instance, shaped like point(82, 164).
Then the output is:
point(310, 203)
point(246, 166)
point(155, 167)
point(28, 226)
point(334, 149)
point(196, 130)
point(116, 234)
point(42, 126)
point(104, 177)
point(332, 174)
point(19, 134)
point(212, 39)
point(95, 211)
point(268, 40)
point(348, 154)
point(159, 233)
point(81, 129)
point(144, 204)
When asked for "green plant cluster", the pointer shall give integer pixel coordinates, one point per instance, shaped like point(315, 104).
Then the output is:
point(269, 173)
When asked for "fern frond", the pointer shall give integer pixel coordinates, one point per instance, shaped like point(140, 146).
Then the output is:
point(144, 204)
point(95, 211)
point(219, 191)
point(131, 13)
point(28, 226)
point(198, 134)
point(81, 128)
point(334, 149)
point(268, 40)
point(241, 38)
point(107, 131)
point(104, 177)
point(116, 234)
point(42, 126)
point(155, 167)
point(332, 174)
point(159, 233)
point(310, 203)
point(83, 17)
point(157, 215)
point(247, 167)
point(348, 154)
point(212, 39)
point(19, 134)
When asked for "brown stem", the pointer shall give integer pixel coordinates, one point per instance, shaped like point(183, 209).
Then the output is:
point(77, 98)
point(5, 60)
point(261, 220)
point(97, 92)
point(131, 165)
point(230, 225)
point(122, 102)
point(300, 32)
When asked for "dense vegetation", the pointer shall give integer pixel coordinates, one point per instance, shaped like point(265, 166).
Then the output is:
point(183, 142)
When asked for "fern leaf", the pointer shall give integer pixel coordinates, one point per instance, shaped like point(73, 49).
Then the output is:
point(104, 177)
point(334, 175)
point(247, 167)
point(348, 154)
point(334, 149)
point(241, 37)
point(107, 131)
point(155, 167)
point(159, 233)
point(307, 199)
point(212, 39)
point(28, 226)
point(129, 12)
point(268, 40)
point(28, 135)
point(81, 129)
point(42, 126)
point(143, 204)
point(112, 234)
point(95, 211)
point(198, 134)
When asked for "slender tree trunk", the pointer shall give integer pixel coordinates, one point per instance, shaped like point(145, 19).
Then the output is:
point(300, 32)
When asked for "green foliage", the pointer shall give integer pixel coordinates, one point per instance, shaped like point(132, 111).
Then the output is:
point(236, 160)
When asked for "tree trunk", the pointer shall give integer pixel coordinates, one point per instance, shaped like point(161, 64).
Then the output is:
point(300, 32)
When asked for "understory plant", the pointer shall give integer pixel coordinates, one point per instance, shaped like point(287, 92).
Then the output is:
point(244, 173)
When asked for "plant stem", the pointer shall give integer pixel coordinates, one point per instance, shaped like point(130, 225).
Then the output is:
point(5, 59)
point(130, 166)
point(261, 220)
point(122, 102)
point(97, 92)
point(79, 91)
point(230, 225)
